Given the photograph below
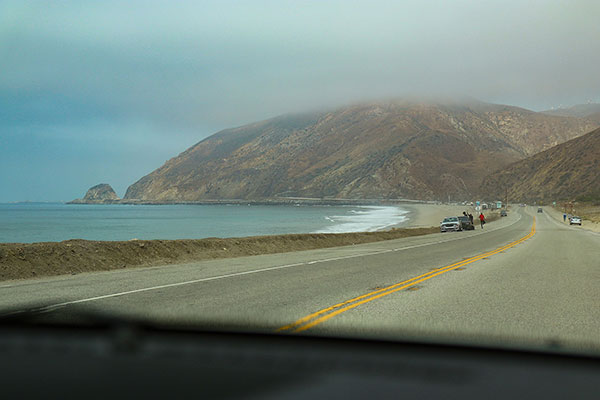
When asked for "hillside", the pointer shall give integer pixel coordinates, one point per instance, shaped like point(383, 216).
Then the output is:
point(568, 171)
point(595, 117)
point(377, 150)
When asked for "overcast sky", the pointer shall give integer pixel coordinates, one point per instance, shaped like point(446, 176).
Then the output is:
point(107, 91)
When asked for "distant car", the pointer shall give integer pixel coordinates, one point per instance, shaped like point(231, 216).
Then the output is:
point(540, 209)
point(503, 213)
point(450, 224)
point(465, 223)
point(575, 221)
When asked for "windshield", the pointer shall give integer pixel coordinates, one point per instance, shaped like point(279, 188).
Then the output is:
point(283, 167)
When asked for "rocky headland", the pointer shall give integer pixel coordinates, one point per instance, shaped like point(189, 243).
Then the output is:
point(99, 194)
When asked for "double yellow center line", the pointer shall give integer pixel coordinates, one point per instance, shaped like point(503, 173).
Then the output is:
point(323, 315)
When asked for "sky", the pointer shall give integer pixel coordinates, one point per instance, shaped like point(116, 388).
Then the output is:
point(107, 91)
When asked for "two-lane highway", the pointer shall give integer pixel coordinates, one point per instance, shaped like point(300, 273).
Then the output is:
point(545, 291)
point(517, 277)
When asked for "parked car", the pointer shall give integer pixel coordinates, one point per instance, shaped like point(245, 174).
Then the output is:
point(540, 209)
point(450, 224)
point(575, 221)
point(503, 213)
point(465, 223)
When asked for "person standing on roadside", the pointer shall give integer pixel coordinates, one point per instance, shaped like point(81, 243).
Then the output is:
point(564, 217)
point(471, 219)
point(481, 219)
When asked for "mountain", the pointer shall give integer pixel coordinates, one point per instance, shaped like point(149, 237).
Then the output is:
point(568, 171)
point(395, 149)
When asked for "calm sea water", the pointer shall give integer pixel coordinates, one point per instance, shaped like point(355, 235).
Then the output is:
point(41, 222)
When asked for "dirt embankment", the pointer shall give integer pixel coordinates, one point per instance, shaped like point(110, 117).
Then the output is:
point(22, 261)
point(591, 212)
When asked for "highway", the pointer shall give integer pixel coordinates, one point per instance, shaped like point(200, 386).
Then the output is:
point(525, 277)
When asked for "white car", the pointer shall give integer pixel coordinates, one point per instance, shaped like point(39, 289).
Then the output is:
point(450, 224)
point(575, 221)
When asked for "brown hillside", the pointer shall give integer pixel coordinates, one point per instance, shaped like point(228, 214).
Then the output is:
point(378, 150)
point(567, 171)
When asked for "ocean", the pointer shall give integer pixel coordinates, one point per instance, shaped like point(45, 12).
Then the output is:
point(50, 222)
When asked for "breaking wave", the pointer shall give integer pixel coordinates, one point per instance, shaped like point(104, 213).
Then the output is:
point(365, 219)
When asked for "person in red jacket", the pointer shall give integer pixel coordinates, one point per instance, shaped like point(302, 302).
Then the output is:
point(481, 220)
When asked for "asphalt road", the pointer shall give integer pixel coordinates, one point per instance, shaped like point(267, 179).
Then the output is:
point(526, 279)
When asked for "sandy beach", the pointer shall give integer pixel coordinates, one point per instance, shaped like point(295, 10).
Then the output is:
point(426, 215)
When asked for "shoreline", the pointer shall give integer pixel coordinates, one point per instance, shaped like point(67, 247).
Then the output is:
point(408, 215)
point(268, 201)
point(421, 215)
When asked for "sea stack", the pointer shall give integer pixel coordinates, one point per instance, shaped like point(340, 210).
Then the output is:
point(102, 193)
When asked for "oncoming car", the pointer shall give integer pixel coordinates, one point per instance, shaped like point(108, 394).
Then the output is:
point(450, 224)
point(575, 221)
